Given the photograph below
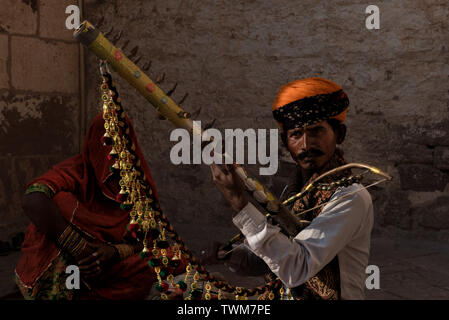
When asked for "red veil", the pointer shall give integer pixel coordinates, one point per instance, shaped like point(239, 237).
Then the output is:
point(85, 191)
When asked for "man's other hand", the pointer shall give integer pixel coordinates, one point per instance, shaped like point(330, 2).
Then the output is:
point(230, 184)
point(213, 254)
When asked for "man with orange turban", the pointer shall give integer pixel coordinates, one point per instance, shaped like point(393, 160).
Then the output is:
point(327, 259)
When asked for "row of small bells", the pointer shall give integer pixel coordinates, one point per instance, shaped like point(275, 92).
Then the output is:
point(135, 195)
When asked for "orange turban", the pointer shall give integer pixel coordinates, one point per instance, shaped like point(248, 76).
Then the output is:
point(307, 101)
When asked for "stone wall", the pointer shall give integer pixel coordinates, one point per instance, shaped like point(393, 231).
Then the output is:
point(231, 59)
point(39, 99)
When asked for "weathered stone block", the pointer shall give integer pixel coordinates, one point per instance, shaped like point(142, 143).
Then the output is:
point(434, 134)
point(52, 19)
point(436, 215)
point(411, 153)
point(4, 77)
point(422, 178)
point(19, 17)
point(36, 125)
point(392, 208)
point(442, 158)
point(44, 66)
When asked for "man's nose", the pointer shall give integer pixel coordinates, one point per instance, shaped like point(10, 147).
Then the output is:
point(305, 141)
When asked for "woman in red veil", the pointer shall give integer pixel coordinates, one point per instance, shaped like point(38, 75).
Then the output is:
point(76, 199)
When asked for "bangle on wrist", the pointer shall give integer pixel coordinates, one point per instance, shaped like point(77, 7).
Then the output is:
point(116, 254)
point(72, 242)
point(124, 250)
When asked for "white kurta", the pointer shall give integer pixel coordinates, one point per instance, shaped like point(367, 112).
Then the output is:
point(343, 228)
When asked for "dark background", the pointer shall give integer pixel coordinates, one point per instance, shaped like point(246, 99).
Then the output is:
point(231, 57)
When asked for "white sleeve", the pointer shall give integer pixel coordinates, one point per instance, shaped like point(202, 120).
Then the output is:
point(296, 261)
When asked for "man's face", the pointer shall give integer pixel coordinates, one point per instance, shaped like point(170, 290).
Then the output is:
point(312, 146)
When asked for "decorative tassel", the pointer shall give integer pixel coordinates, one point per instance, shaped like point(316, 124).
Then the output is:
point(144, 253)
point(154, 263)
point(106, 139)
point(125, 206)
point(163, 274)
point(162, 286)
point(182, 285)
point(115, 168)
point(133, 227)
point(113, 154)
point(122, 196)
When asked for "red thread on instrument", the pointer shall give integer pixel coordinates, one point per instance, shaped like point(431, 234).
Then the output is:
point(118, 55)
point(150, 87)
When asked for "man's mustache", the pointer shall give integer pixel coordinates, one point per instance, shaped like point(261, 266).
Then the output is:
point(309, 153)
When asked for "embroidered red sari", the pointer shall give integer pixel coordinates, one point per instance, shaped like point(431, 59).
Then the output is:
point(85, 191)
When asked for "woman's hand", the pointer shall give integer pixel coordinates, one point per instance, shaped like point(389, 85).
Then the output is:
point(99, 258)
point(230, 184)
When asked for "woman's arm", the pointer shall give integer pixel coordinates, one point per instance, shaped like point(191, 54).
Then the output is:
point(44, 214)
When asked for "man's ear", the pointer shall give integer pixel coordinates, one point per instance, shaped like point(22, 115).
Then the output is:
point(341, 133)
